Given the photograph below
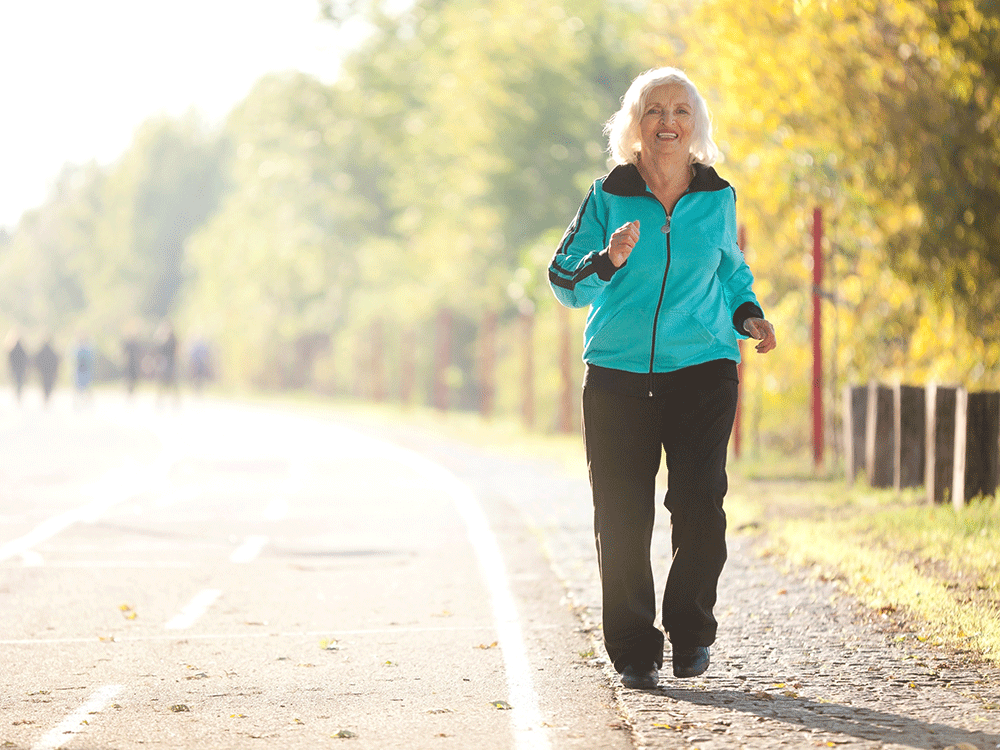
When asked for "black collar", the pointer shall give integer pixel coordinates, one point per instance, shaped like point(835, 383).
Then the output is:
point(625, 180)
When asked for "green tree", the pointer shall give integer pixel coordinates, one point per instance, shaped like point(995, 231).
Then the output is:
point(167, 183)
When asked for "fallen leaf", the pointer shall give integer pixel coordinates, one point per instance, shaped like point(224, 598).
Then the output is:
point(501, 705)
point(440, 711)
point(487, 645)
point(344, 734)
point(329, 645)
point(178, 708)
point(199, 676)
point(237, 716)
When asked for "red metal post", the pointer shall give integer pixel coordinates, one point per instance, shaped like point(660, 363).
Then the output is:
point(817, 336)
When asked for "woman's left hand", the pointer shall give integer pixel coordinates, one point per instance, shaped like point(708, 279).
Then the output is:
point(763, 331)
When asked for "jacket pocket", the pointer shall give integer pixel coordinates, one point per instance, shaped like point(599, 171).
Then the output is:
point(681, 329)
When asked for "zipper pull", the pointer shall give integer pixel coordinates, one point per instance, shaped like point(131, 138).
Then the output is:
point(666, 227)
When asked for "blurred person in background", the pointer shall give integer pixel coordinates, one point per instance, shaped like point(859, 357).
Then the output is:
point(83, 372)
point(132, 352)
point(17, 356)
point(200, 358)
point(652, 251)
point(166, 360)
point(47, 362)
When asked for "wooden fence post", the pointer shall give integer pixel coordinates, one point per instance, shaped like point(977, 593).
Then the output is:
point(958, 462)
point(930, 441)
point(855, 430)
point(897, 434)
point(879, 437)
point(981, 458)
point(909, 418)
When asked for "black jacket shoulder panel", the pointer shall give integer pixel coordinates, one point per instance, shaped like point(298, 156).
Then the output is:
point(625, 180)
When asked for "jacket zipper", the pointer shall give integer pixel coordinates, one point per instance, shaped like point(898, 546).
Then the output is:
point(659, 304)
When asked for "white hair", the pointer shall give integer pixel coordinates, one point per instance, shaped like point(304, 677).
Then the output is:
point(622, 129)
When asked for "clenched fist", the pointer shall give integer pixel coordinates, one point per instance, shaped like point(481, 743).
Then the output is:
point(622, 242)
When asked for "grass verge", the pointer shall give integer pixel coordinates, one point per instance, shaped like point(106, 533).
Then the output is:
point(938, 567)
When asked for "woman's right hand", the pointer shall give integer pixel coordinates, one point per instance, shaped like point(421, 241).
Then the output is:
point(622, 242)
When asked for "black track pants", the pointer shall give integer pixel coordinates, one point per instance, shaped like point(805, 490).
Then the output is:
point(691, 421)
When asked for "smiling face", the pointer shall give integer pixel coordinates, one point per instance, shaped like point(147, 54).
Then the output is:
point(667, 122)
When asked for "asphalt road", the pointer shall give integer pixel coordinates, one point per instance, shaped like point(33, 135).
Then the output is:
point(229, 575)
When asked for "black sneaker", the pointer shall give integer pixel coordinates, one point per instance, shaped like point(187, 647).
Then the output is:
point(640, 677)
point(690, 661)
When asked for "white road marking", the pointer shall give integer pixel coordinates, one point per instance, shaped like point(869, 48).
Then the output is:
point(74, 723)
point(529, 730)
point(32, 559)
point(175, 497)
point(276, 510)
point(248, 551)
point(195, 609)
point(113, 488)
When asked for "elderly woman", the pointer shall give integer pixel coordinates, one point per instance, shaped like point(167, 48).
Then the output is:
point(653, 252)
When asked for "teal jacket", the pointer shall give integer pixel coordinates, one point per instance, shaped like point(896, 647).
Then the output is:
point(685, 291)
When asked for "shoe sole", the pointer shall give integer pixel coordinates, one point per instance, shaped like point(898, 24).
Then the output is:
point(640, 684)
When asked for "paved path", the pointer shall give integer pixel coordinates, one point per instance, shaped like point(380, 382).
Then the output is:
point(798, 663)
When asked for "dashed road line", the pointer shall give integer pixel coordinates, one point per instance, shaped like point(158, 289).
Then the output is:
point(194, 609)
point(112, 489)
point(249, 550)
point(76, 722)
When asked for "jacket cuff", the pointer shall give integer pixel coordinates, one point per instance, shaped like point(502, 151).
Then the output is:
point(605, 268)
point(743, 313)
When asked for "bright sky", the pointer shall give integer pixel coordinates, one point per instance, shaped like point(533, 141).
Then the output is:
point(77, 78)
